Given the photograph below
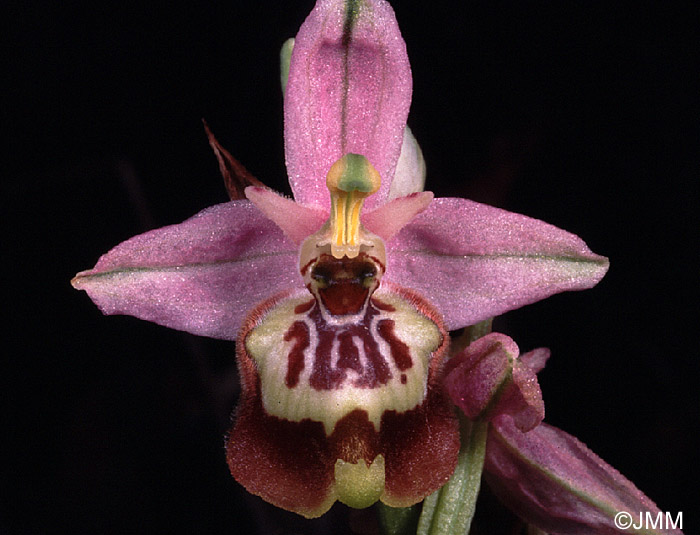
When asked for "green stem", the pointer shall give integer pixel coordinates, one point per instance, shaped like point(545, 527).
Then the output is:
point(469, 334)
point(397, 520)
point(449, 511)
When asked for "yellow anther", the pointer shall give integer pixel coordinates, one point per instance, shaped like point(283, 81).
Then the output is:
point(350, 180)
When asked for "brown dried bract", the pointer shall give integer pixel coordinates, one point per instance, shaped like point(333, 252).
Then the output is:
point(236, 177)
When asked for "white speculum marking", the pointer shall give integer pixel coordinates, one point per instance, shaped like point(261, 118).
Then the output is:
point(311, 369)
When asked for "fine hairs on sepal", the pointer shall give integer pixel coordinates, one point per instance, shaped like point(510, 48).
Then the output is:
point(341, 299)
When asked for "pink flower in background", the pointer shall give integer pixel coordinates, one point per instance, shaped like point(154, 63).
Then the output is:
point(488, 379)
point(546, 476)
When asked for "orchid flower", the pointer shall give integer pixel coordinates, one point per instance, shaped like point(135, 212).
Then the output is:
point(546, 476)
point(340, 300)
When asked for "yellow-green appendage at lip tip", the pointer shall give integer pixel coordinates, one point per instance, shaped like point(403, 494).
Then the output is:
point(358, 485)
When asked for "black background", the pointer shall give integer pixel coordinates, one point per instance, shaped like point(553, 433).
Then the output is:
point(585, 116)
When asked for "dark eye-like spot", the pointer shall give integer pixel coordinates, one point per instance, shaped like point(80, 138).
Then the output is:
point(329, 272)
point(322, 275)
point(344, 285)
point(368, 270)
point(367, 275)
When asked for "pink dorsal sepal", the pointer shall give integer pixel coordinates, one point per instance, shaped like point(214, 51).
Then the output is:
point(348, 91)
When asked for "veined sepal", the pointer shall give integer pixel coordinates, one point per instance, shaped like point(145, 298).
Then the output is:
point(318, 425)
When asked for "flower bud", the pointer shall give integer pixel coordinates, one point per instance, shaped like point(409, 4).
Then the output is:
point(488, 379)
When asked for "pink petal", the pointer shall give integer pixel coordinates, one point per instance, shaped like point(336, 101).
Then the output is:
point(474, 261)
point(349, 90)
point(296, 221)
point(201, 276)
point(555, 482)
point(390, 218)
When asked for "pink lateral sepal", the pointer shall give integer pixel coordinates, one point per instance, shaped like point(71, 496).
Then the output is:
point(201, 276)
point(348, 91)
point(459, 251)
point(296, 221)
point(553, 481)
